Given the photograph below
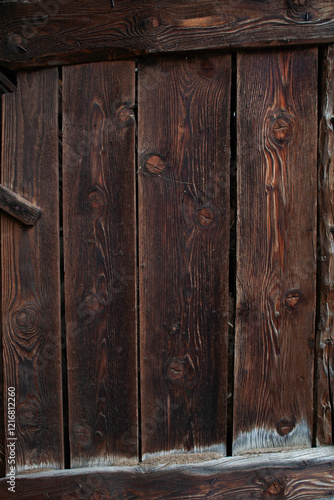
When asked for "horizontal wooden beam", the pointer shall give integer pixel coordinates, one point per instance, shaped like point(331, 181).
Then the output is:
point(306, 474)
point(53, 32)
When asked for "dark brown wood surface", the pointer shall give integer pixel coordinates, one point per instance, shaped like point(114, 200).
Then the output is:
point(30, 272)
point(276, 249)
point(183, 147)
point(325, 349)
point(19, 207)
point(63, 31)
point(100, 275)
point(303, 475)
point(2, 401)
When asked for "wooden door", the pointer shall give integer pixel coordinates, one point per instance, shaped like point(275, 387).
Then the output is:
point(165, 301)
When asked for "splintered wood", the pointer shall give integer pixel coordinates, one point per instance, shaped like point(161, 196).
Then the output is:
point(276, 249)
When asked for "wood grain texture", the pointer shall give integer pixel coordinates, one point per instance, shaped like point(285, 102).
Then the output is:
point(18, 207)
point(325, 349)
point(63, 31)
point(276, 247)
point(183, 146)
point(30, 272)
point(306, 475)
point(100, 275)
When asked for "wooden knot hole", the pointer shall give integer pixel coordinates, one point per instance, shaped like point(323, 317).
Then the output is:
point(285, 426)
point(205, 216)
point(155, 164)
point(281, 130)
point(275, 489)
point(96, 201)
point(124, 115)
point(175, 369)
point(293, 298)
point(207, 69)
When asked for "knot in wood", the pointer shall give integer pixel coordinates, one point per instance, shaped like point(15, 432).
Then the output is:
point(15, 39)
point(100, 494)
point(124, 115)
point(281, 130)
point(292, 298)
point(82, 436)
point(285, 426)
point(207, 69)
point(155, 164)
point(96, 201)
point(275, 489)
point(175, 369)
point(205, 216)
point(26, 320)
point(29, 416)
point(152, 23)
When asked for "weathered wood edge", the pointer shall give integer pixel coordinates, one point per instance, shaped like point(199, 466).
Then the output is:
point(303, 474)
point(55, 32)
point(325, 334)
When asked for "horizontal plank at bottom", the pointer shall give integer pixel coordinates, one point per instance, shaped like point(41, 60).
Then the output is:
point(304, 474)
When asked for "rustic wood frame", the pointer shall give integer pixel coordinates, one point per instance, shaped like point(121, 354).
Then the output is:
point(59, 32)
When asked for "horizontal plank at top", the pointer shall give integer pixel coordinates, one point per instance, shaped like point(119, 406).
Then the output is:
point(53, 32)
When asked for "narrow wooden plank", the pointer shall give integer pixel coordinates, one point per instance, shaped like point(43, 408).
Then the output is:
point(2, 399)
point(100, 275)
point(276, 245)
point(30, 274)
point(303, 475)
point(325, 350)
point(183, 145)
point(19, 207)
point(59, 32)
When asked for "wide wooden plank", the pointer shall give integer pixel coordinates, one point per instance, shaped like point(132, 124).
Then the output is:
point(63, 31)
point(303, 475)
point(325, 349)
point(30, 275)
point(183, 146)
point(100, 276)
point(276, 246)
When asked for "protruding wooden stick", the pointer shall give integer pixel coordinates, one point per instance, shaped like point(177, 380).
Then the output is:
point(19, 207)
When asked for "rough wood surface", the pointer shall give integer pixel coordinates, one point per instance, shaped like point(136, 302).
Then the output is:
point(30, 272)
point(306, 475)
point(19, 207)
point(183, 146)
point(276, 249)
point(100, 275)
point(325, 349)
point(2, 400)
point(63, 31)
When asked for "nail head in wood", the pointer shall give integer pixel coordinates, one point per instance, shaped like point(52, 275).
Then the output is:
point(19, 207)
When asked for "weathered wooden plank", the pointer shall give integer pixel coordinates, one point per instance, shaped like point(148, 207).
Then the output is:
point(100, 276)
point(325, 350)
point(2, 399)
point(183, 146)
point(30, 274)
point(63, 31)
point(19, 207)
point(276, 246)
point(303, 475)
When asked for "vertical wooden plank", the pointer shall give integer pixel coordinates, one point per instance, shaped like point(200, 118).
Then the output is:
point(276, 246)
point(184, 121)
point(2, 399)
point(30, 273)
point(100, 260)
point(325, 350)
